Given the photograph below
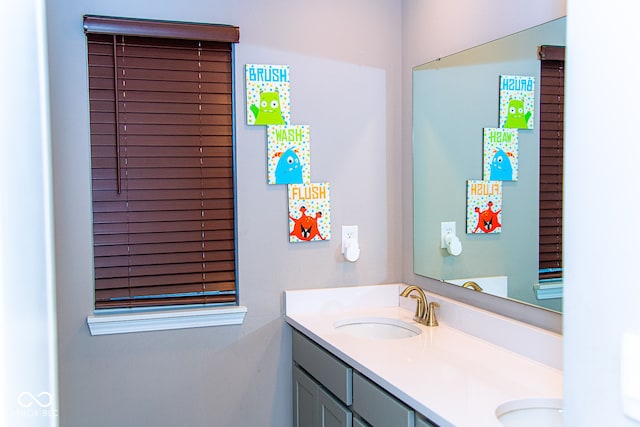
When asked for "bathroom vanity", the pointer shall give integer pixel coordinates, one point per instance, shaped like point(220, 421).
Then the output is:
point(359, 359)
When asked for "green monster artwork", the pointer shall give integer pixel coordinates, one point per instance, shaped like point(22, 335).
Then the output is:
point(269, 111)
point(516, 116)
point(517, 99)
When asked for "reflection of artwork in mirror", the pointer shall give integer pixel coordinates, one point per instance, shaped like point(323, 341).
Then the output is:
point(500, 149)
point(484, 206)
point(443, 129)
point(517, 96)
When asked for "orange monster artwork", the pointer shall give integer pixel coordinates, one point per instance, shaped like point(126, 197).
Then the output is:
point(306, 227)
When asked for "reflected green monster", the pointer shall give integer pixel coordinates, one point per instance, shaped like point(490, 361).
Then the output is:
point(516, 117)
point(269, 112)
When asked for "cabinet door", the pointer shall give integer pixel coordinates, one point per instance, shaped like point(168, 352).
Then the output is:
point(305, 400)
point(332, 412)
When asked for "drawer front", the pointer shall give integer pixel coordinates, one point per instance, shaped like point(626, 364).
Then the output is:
point(377, 406)
point(325, 368)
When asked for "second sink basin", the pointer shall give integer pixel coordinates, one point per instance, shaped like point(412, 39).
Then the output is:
point(385, 328)
point(531, 413)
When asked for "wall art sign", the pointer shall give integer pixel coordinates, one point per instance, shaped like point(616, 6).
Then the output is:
point(288, 154)
point(309, 212)
point(268, 94)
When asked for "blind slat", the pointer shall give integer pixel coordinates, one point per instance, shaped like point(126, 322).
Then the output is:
point(151, 173)
point(164, 238)
point(164, 259)
point(162, 227)
point(160, 183)
point(151, 206)
point(163, 272)
point(162, 248)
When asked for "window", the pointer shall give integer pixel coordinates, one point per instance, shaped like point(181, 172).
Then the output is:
point(162, 162)
point(551, 161)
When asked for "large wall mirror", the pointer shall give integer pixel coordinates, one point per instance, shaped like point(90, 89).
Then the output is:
point(454, 99)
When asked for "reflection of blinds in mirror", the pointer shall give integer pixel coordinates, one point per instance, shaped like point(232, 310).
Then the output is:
point(551, 161)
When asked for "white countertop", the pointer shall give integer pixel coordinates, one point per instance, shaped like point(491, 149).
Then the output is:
point(451, 377)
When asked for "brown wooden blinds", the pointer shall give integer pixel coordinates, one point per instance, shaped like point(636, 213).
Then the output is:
point(162, 170)
point(551, 161)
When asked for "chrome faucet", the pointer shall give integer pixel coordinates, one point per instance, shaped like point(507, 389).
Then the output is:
point(425, 312)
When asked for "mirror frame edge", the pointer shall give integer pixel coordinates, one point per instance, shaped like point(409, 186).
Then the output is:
point(532, 315)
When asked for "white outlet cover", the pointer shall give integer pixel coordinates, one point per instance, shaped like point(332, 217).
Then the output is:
point(444, 228)
point(349, 230)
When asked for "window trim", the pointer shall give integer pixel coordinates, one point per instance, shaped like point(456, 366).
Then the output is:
point(120, 321)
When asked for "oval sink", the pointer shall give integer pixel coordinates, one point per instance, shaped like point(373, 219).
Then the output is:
point(531, 412)
point(383, 328)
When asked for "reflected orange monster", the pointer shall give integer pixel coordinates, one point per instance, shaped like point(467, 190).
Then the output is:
point(487, 219)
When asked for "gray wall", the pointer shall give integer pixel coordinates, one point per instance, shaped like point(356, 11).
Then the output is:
point(345, 79)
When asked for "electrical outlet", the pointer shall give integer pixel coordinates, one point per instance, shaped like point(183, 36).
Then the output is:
point(446, 228)
point(349, 231)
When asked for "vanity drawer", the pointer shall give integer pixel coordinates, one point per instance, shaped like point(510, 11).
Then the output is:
point(326, 369)
point(377, 406)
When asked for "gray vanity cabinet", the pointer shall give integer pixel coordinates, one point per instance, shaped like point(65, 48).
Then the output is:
point(329, 393)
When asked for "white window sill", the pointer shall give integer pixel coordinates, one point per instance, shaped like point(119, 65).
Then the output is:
point(107, 322)
point(548, 290)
